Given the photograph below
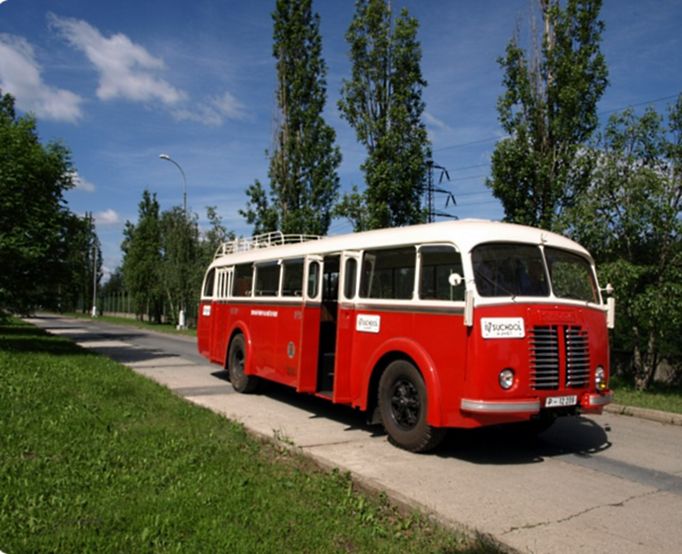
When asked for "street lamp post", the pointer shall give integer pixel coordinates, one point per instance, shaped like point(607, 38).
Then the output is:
point(184, 180)
point(181, 313)
point(94, 281)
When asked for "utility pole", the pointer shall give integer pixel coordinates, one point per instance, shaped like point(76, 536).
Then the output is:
point(431, 192)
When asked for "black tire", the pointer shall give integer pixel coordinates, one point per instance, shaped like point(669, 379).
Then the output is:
point(236, 361)
point(402, 405)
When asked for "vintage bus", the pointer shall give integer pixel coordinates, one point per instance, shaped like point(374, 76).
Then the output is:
point(451, 324)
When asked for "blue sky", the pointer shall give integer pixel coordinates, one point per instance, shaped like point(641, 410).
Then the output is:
point(122, 81)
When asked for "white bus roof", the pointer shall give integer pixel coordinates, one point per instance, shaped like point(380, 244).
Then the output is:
point(465, 234)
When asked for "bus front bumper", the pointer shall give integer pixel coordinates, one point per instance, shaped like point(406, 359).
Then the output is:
point(588, 402)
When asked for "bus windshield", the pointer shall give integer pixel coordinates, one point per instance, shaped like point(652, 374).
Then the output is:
point(507, 269)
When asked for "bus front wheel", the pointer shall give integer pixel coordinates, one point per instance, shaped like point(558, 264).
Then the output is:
point(236, 362)
point(402, 405)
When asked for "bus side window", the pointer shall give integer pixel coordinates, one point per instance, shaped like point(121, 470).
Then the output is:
point(350, 278)
point(388, 274)
point(438, 262)
point(243, 278)
point(208, 284)
point(267, 279)
point(292, 280)
point(313, 279)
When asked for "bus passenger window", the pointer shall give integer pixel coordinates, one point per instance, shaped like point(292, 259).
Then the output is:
point(313, 279)
point(243, 278)
point(292, 280)
point(388, 274)
point(437, 264)
point(350, 277)
point(208, 284)
point(267, 279)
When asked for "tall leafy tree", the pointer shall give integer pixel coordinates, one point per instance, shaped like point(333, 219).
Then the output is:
point(83, 263)
point(179, 258)
point(549, 111)
point(34, 218)
point(631, 220)
point(383, 102)
point(303, 180)
point(142, 259)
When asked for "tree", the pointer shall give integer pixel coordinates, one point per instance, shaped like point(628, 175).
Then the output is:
point(631, 219)
point(549, 111)
point(216, 235)
point(34, 218)
point(142, 259)
point(303, 180)
point(179, 258)
point(383, 103)
point(83, 263)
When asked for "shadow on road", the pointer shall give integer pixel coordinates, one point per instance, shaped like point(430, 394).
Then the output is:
point(496, 445)
point(516, 444)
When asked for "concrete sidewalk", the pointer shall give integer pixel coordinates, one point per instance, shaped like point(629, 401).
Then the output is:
point(614, 487)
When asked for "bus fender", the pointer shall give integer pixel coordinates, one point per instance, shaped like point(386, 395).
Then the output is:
point(240, 326)
point(405, 347)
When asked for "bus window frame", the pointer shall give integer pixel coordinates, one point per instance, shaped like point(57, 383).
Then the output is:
point(204, 296)
point(311, 259)
point(283, 262)
point(347, 256)
point(418, 275)
point(368, 256)
point(250, 294)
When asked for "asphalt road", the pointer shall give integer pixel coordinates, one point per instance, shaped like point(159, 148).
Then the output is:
point(603, 484)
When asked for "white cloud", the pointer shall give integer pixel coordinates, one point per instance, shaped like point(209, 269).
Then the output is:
point(20, 75)
point(80, 183)
point(432, 121)
point(212, 112)
point(107, 217)
point(126, 70)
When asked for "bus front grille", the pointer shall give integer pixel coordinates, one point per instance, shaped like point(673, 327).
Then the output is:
point(544, 357)
point(553, 347)
point(577, 357)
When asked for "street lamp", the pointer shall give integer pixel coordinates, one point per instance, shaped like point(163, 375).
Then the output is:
point(94, 280)
point(184, 180)
point(181, 314)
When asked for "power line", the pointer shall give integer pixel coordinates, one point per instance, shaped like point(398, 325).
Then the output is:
point(655, 101)
point(603, 112)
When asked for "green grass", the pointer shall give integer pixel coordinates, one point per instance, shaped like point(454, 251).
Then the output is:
point(96, 458)
point(128, 322)
point(659, 397)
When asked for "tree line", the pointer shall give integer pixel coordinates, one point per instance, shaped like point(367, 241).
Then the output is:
point(616, 189)
point(49, 256)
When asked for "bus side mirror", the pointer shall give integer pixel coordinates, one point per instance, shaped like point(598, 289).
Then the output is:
point(455, 279)
point(610, 312)
point(469, 308)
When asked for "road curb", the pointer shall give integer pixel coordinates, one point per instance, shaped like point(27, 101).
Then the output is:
point(645, 413)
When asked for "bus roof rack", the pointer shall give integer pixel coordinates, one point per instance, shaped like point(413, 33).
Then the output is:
point(265, 240)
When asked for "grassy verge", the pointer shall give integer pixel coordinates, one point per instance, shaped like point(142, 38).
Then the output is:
point(160, 327)
point(659, 397)
point(97, 458)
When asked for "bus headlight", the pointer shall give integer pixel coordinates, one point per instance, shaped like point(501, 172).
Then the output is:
point(506, 378)
point(600, 378)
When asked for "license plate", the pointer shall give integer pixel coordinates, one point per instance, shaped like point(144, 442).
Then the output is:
point(560, 401)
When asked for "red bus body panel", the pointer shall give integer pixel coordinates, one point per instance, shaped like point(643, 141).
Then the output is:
point(455, 361)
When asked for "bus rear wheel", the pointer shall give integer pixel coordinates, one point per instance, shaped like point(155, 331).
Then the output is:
point(236, 362)
point(402, 405)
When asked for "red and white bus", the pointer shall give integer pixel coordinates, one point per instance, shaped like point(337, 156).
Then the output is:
point(453, 324)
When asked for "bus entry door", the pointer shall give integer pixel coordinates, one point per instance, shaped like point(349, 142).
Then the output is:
point(310, 325)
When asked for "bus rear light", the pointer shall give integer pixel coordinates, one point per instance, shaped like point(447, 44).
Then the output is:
point(600, 379)
point(506, 378)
